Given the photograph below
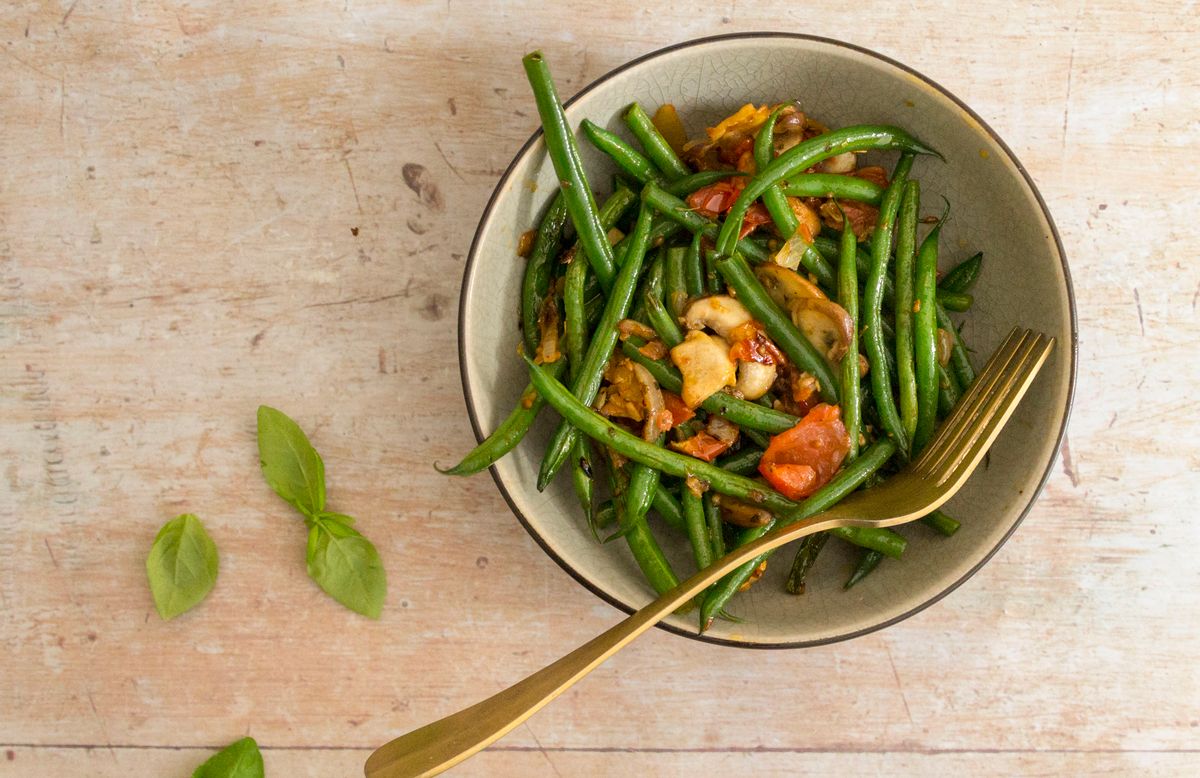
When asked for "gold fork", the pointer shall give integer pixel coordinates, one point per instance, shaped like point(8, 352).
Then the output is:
point(927, 483)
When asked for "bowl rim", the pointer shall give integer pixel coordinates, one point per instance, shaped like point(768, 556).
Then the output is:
point(1072, 352)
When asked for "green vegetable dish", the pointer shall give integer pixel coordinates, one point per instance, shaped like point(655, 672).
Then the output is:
point(748, 328)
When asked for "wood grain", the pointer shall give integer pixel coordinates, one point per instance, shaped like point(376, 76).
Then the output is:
point(206, 206)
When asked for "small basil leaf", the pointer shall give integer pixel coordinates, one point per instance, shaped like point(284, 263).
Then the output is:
point(292, 467)
point(347, 566)
point(240, 759)
point(182, 566)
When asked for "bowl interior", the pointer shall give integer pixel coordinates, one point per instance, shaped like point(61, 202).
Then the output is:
point(994, 210)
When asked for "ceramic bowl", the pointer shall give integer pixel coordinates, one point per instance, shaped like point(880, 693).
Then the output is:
point(996, 209)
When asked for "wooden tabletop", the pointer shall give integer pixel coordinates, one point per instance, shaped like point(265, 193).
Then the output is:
point(203, 209)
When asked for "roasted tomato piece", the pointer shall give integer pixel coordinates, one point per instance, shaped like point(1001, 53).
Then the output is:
point(702, 446)
point(751, 344)
point(715, 199)
point(677, 408)
point(801, 460)
point(756, 216)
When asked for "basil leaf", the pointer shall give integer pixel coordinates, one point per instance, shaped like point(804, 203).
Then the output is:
point(292, 467)
point(240, 759)
point(182, 566)
point(347, 566)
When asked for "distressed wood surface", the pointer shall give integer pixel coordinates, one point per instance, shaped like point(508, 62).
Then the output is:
point(205, 207)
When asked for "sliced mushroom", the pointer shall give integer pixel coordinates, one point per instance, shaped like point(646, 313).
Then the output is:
point(741, 514)
point(704, 363)
point(723, 315)
point(826, 325)
point(842, 163)
point(789, 129)
point(786, 287)
point(754, 379)
point(653, 399)
point(722, 429)
point(719, 313)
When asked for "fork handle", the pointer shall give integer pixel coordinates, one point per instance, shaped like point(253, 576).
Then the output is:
point(444, 743)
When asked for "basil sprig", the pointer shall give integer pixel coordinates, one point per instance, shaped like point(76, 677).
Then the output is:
point(342, 562)
point(182, 566)
point(240, 759)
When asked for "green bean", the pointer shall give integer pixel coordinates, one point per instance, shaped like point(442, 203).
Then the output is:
point(866, 564)
point(747, 415)
point(941, 523)
point(959, 302)
point(773, 197)
point(581, 480)
point(833, 185)
point(778, 324)
point(674, 283)
point(925, 339)
point(575, 312)
point(606, 514)
point(960, 363)
point(845, 482)
point(663, 323)
point(631, 516)
point(851, 381)
point(627, 158)
point(587, 380)
point(668, 507)
point(656, 146)
point(906, 249)
point(744, 462)
point(806, 154)
point(697, 529)
point(564, 155)
point(593, 308)
point(693, 268)
point(678, 211)
point(758, 438)
point(575, 337)
point(831, 249)
point(661, 230)
point(508, 434)
point(688, 184)
point(948, 391)
point(881, 244)
point(651, 285)
point(716, 527)
point(712, 279)
point(806, 556)
point(963, 276)
point(535, 284)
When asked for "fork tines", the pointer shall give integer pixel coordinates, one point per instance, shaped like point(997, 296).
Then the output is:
point(965, 435)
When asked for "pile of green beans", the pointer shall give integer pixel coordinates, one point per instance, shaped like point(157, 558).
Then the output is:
point(672, 255)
